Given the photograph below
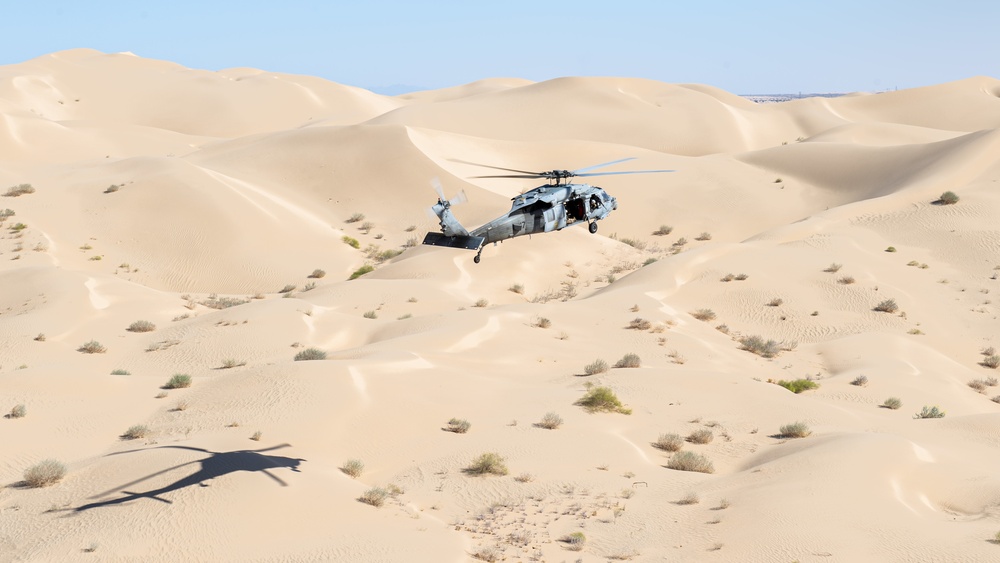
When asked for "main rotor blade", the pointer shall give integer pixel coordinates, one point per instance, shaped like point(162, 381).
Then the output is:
point(493, 167)
point(577, 172)
point(532, 175)
point(627, 172)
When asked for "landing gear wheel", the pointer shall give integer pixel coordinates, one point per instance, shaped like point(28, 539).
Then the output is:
point(593, 227)
point(476, 259)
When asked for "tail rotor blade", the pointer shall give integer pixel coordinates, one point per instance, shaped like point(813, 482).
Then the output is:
point(460, 198)
point(436, 184)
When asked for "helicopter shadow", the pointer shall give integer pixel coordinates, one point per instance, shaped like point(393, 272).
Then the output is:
point(216, 464)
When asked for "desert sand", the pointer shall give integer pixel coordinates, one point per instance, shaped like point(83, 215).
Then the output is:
point(214, 206)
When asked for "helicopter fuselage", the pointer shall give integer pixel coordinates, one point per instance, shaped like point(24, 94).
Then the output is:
point(549, 208)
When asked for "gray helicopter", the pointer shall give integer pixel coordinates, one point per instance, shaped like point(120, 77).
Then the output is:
point(544, 209)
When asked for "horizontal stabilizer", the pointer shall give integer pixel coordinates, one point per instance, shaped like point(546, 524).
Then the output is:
point(458, 241)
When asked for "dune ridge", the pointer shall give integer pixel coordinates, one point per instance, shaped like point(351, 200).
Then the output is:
point(228, 209)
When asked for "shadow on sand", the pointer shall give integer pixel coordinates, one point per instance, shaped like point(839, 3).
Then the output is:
point(216, 464)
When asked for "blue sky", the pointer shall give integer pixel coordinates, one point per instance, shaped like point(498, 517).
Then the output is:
point(760, 47)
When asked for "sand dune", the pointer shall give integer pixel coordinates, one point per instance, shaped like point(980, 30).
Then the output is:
point(228, 210)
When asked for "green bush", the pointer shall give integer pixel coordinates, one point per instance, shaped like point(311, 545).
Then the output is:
point(178, 381)
point(351, 241)
point(799, 385)
point(487, 464)
point(602, 399)
point(929, 412)
point(362, 271)
point(310, 354)
point(948, 198)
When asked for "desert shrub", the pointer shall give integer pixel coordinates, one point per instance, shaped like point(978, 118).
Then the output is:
point(948, 198)
point(256, 436)
point(664, 230)
point(833, 268)
point(5, 213)
point(355, 217)
point(992, 361)
point(930, 412)
point(120, 372)
point(996, 399)
point(310, 354)
point(19, 190)
point(795, 430)
point(846, 280)
point(799, 385)
point(891, 249)
point(215, 302)
point(602, 399)
point(92, 347)
point(991, 381)
point(178, 381)
point(481, 303)
point(370, 315)
point(892, 403)
point(113, 188)
point(704, 315)
point(757, 345)
point(776, 302)
point(288, 288)
point(517, 288)
point(487, 464)
point(141, 326)
point(351, 241)
point(640, 323)
point(978, 385)
point(690, 461)
point(727, 278)
point(40, 337)
point(550, 421)
point(887, 306)
point(596, 367)
point(317, 274)
point(988, 351)
point(459, 425)
point(374, 496)
point(230, 363)
point(669, 442)
point(629, 360)
point(701, 436)
point(704, 236)
point(18, 227)
point(575, 540)
point(860, 380)
point(690, 498)
point(362, 271)
point(353, 467)
point(19, 411)
point(741, 277)
point(135, 432)
point(543, 322)
point(45, 473)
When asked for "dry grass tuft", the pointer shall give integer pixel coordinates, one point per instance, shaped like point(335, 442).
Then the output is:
point(690, 461)
point(92, 347)
point(690, 498)
point(596, 367)
point(178, 381)
point(353, 467)
point(669, 442)
point(45, 473)
point(310, 354)
point(141, 326)
point(795, 430)
point(640, 323)
point(887, 306)
point(458, 425)
point(629, 360)
point(860, 380)
point(489, 463)
point(892, 403)
point(374, 496)
point(701, 436)
point(135, 432)
point(704, 315)
point(550, 421)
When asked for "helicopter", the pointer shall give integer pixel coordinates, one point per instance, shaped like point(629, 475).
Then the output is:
point(547, 208)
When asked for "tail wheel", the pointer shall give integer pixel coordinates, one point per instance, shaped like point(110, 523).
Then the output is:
point(593, 227)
